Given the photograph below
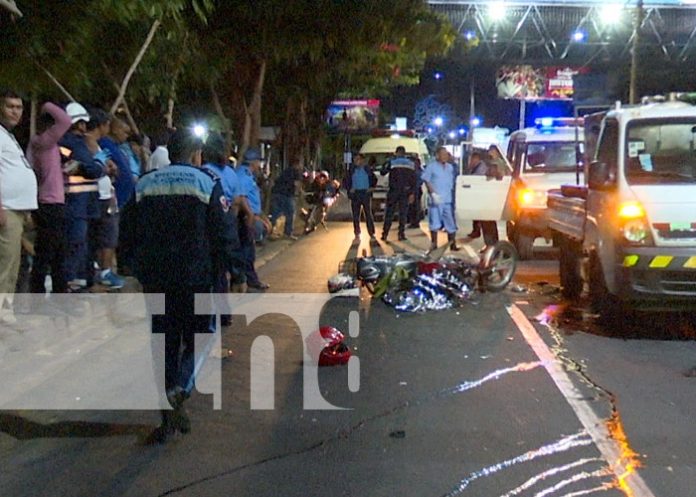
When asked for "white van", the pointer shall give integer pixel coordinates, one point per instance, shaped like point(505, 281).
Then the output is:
point(381, 148)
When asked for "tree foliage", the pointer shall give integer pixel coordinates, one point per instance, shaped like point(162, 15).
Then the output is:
point(282, 60)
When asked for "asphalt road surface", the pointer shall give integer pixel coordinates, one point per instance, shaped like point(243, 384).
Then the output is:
point(517, 394)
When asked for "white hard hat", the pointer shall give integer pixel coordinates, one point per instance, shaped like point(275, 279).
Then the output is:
point(77, 112)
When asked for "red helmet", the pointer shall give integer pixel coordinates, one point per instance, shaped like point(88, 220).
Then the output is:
point(327, 348)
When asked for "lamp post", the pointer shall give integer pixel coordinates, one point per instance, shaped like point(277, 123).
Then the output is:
point(633, 87)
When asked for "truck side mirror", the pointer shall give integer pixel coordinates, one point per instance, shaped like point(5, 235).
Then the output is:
point(598, 177)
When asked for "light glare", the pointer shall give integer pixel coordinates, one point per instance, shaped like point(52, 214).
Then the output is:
point(611, 13)
point(199, 130)
point(497, 11)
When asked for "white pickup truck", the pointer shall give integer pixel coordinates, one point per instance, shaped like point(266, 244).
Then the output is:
point(543, 158)
point(630, 230)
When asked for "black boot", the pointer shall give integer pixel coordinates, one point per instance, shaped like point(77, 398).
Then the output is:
point(453, 242)
point(433, 238)
point(160, 434)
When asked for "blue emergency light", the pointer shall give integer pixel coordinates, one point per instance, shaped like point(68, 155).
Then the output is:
point(549, 123)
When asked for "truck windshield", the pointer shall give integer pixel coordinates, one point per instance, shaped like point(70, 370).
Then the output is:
point(659, 152)
point(550, 157)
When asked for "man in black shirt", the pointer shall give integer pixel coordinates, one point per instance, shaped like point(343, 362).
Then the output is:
point(283, 198)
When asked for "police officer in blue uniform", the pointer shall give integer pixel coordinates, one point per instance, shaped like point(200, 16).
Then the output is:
point(182, 231)
point(251, 228)
point(402, 184)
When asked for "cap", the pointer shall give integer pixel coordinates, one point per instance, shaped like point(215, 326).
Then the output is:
point(252, 154)
point(77, 112)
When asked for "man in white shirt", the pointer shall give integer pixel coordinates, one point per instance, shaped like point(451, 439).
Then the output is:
point(18, 197)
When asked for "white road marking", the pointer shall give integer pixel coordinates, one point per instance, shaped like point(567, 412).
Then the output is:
point(627, 476)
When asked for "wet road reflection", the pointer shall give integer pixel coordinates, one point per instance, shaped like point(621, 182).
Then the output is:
point(629, 460)
point(548, 473)
point(565, 444)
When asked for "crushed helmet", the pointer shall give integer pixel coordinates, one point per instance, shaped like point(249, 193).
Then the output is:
point(341, 281)
point(368, 271)
point(327, 348)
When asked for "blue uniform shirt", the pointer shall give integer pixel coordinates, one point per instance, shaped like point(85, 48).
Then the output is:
point(228, 179)
point(441, 178)
point(249, 188)
point(360, 179)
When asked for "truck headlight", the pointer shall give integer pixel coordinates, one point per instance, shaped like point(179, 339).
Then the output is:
point(633, 223)
point(636, 231)
point(532, 199)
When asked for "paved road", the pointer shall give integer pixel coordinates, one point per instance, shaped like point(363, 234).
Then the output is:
point(508, 397)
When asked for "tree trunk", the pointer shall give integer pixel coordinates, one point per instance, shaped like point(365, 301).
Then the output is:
point(129, 117)
point(127, 112)
point(134, 65)
point(255, 107)
point(227, 129)
point(169, 116)
point(56, 82)
point(246, 132)
point(34, 113)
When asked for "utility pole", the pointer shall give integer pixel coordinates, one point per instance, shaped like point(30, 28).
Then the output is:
point(638, 17)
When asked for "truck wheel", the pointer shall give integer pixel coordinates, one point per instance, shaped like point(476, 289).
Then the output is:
point(603, 303)
point(569, 268)
point(524, 243)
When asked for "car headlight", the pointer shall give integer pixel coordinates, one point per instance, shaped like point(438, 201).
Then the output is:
point(532, 199)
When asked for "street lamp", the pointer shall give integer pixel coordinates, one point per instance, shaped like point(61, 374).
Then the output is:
point(438, 121)
point(469, 35)
point(475, 122)
point(438, 75)
point(452, 135)
point(497, 11)
point(199, 130)
point(611, 13)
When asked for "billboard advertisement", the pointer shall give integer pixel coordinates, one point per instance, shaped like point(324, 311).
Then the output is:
point(524, 82)
point(353, 116)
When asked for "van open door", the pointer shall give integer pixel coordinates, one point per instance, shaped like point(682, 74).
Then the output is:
point(483, 198)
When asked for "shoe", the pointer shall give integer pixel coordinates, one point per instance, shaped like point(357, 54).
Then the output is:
point(433, 246)
point(384, 237)
point(373, 237)
point(8, 318)
point(474, 235)
point(259, 285)
point(454, 247)
point(291, 237)
point(402, 238)
point(357, 238)
point(180, 421)
point(111, 279)
point(160, 434)
point(77, 284)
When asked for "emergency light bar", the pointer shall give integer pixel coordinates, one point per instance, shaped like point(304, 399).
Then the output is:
point(558, 122)
point(384, 133)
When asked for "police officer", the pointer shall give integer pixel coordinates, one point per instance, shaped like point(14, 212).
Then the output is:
point(402, 184)
point(182, 231)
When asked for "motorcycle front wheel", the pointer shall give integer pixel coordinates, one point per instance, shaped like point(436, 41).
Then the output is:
point(498, 266)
